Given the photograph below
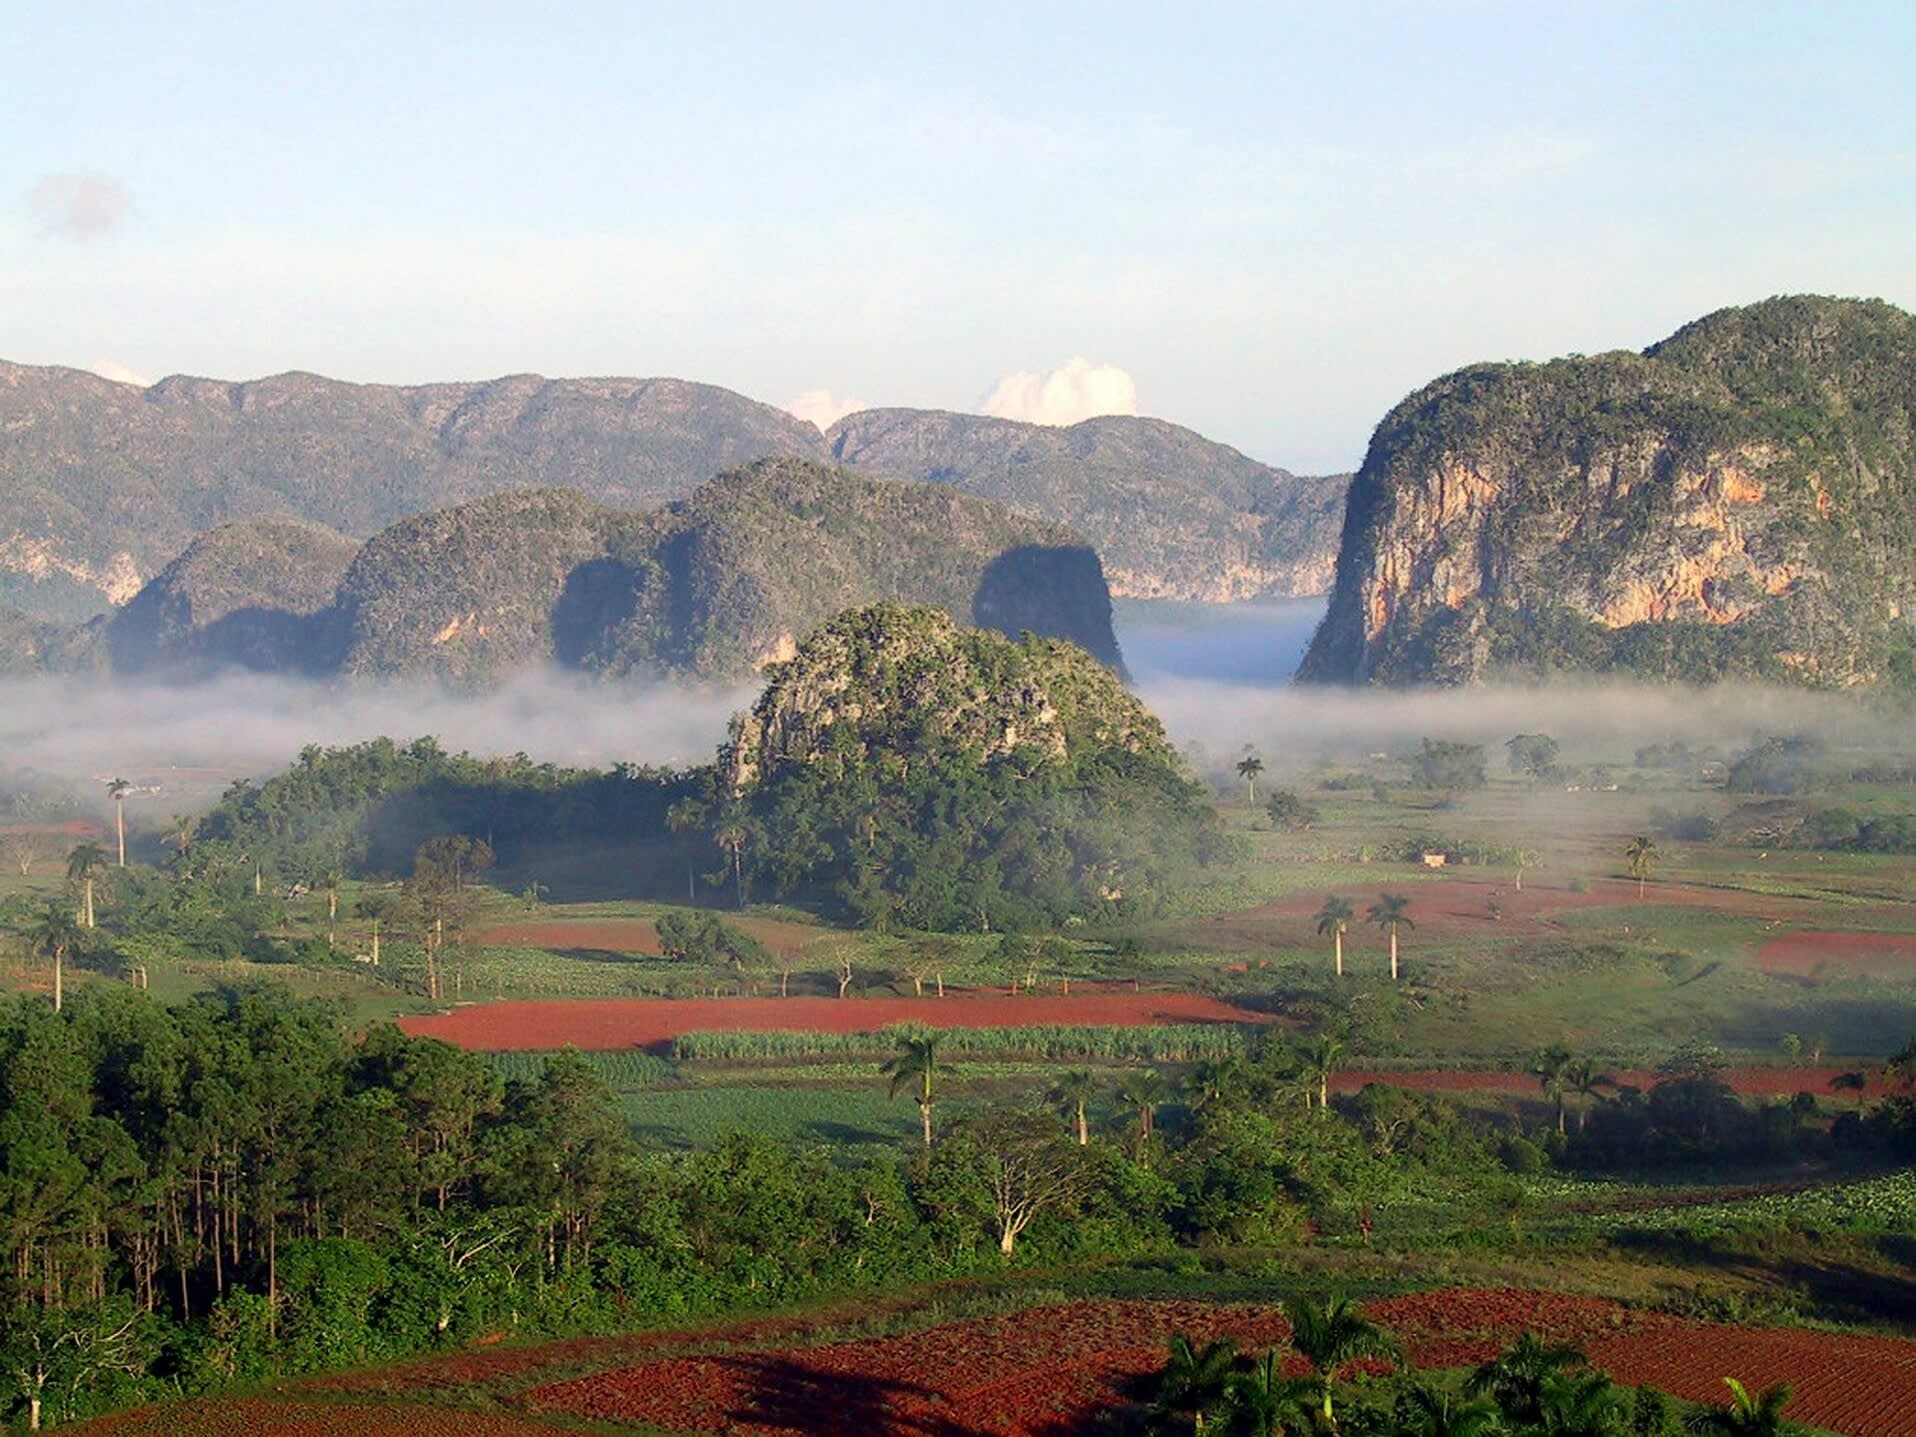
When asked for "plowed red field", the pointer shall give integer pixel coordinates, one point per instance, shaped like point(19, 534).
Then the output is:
point(1039, 1372)
point(639, 1022)
point(1840, 955)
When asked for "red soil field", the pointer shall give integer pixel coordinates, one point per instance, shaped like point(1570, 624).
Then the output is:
point(632, 935)
point(639, 1022)
point(1764, 1082)
point(258, 1416)
point(1040, 1372)
point(1810, 955)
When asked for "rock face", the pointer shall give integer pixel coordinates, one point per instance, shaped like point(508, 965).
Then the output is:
point(102, 483)
point(1173, 515)
point(1739, 500)
point(711, 588)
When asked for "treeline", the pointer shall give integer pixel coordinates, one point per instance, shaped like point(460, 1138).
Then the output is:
point(208, 1194)
point(365, 810)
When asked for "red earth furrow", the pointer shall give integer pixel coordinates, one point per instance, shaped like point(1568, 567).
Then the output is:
point(615, 1023)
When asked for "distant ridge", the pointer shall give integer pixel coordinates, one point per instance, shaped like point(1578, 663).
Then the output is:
point(102, 484)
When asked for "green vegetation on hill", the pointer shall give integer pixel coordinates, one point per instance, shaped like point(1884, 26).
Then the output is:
point(903, 769)
point(712, 587)
point(1738, 501)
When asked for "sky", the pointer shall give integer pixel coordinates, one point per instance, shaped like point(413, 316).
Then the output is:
point(1268, 222)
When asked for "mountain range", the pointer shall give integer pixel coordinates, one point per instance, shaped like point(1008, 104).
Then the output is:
point(102, 484)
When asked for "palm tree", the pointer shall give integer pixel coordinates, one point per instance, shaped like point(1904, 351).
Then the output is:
point(329, 882)
point(53, 934)
point(117, 790)
point(915, 1065)
point(1317, 1060)
point(1746, 1416)
point(1145, 1092)
point(1335, 918)
point(687, 813)
point(179, 832)
point(1583, 1078)
point(1331, 1335)
point(731, 838)
point(1516, 1379)
point(1526, 858)
point(1435, 1413)
point(1213, 1080)
point(1642, 856)
point(1899, 1068)
point(378, 907)
point(1260, 1401)
point(1248, 768)
point(1073, 1092)
point(1583, 1404)
point(1195, 1379)
point(1548, 1068)
point(83, 866)
point(1853, 1081)
point(1390, 912)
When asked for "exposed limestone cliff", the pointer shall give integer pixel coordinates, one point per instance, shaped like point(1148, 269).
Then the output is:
point(1739, 500)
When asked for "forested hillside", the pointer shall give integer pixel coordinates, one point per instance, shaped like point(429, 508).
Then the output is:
point(713, 587)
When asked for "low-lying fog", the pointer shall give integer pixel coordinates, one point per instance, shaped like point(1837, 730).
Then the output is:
point(1218, 677)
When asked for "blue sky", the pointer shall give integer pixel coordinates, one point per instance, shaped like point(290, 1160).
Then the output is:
point(1277, 220)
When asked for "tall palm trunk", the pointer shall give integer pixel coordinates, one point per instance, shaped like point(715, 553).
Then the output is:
point(1339, 939)
point(1393, 952)
point(1084, 1132)
point(59, 964)
point(119, 827)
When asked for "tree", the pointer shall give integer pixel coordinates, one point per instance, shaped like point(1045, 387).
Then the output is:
point(1195, 1380)
point(1527, 858)
point(21, 849)
point(1248, 768)
point(1335, 918)
point(1518, 1378)
point(1748, 1415)
point(1430, 1412)
point(1260, 1401)
point(1440, 763)
point(329, 884)
point(1144, 1093)
point(1532, 754)
point(53, 935)
point(1330, 1335)
point(1028, 1166)
point(179, 832)
point(915, 1065)
point(1642, 856)
point(1073, 1092)
point(1548, 1068)
point(732, 838)
point(379, 910)
point(1390, 912)
point(687, 813)
point(117, 789)
point(1317, 1060)
point(1853, 1081)
point(1289, 810)
point(1586, 1080)
point(83, 867)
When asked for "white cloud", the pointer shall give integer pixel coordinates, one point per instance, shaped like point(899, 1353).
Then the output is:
point(119, 373)
point(80, 206)
point(823, 408)
point(1075, 390)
